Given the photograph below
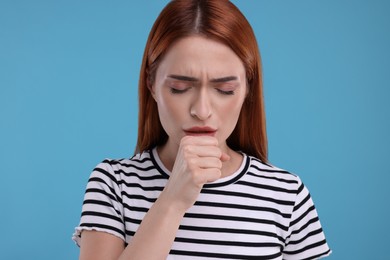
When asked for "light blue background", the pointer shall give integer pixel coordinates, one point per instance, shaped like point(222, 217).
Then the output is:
point(68, 99)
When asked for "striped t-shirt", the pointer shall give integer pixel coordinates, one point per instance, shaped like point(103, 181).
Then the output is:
point(259, 212)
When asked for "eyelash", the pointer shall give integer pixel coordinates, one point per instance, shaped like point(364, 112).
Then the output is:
point(178, 91)
point(225, 92)
point(181, 91)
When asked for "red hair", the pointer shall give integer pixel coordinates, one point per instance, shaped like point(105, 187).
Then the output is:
point(218, 20)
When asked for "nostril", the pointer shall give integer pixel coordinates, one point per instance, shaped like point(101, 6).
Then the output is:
point(201, 114)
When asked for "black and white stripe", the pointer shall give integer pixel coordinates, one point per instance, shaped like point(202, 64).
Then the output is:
point(259, 212)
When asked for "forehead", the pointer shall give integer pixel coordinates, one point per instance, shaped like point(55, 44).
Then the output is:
point(198, 56)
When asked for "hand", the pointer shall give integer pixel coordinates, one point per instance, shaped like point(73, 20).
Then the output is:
point(198, 161)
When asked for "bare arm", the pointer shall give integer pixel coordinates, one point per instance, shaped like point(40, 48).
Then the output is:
point(154, 237)
point(100, 245)
point(157, 232)
point(198, 161)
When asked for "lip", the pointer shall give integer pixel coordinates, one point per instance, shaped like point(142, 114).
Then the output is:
point(200, 131)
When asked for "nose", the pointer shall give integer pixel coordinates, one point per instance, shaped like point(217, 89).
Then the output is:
point(201, 106)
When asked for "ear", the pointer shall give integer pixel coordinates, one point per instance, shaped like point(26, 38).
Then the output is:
point(247, 89)
point(152, 90)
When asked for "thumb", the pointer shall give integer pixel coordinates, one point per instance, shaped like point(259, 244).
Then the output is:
point(224, 157)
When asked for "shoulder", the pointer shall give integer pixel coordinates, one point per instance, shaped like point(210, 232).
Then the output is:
point(272, 174)
point(140, 161)
point(116, 169)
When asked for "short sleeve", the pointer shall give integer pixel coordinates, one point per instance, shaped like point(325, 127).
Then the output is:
point(306, 239)
point(102, 207)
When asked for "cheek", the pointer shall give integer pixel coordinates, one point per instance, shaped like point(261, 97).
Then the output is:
point(232, 109)
point(230, 115)
point(170, 104)
point(171, 111)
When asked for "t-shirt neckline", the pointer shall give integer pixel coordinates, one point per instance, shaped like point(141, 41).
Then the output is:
point(218, 183)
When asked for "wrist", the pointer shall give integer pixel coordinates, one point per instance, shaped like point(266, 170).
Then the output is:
point(170, 206)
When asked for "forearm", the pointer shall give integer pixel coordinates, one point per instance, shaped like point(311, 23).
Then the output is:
point(199, 160)
point(156, 233)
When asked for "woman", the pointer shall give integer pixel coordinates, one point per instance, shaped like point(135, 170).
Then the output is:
point(199, 185)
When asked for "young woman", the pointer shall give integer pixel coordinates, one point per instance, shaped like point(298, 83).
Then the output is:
point(199, 185)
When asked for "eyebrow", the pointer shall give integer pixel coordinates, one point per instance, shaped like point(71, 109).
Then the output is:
point(183, 78)
point(192, 79)
point(224, 79)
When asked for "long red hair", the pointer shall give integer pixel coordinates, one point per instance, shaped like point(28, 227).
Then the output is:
point(219, 20)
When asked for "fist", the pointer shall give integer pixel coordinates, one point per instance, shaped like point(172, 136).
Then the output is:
point(198, 161)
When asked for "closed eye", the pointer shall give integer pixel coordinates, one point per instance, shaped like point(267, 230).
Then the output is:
point(179, 87)
point(178, 91)
point(225, 92)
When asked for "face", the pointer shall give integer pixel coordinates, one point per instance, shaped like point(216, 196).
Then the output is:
point(200, 86)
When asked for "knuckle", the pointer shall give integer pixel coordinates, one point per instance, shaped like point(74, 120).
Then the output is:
point(186, 149)
point(191, 162)
point(186, 140)
point(217, 163)
point(217, 152)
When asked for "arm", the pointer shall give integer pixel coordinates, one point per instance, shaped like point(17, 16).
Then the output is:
point(100, 245)
point(156, 232)
point(198, 161)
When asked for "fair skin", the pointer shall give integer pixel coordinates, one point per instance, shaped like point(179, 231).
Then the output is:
point(199, 89)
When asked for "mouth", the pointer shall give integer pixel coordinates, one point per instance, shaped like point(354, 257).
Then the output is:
point(200, 131)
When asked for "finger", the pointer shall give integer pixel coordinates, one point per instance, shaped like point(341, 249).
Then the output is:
point(203, 151)
point(207, 162)
point(199, 140)
point(211, 174)
point(204, 176)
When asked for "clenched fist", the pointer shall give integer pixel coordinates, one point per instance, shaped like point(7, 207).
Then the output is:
point(198, 161)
